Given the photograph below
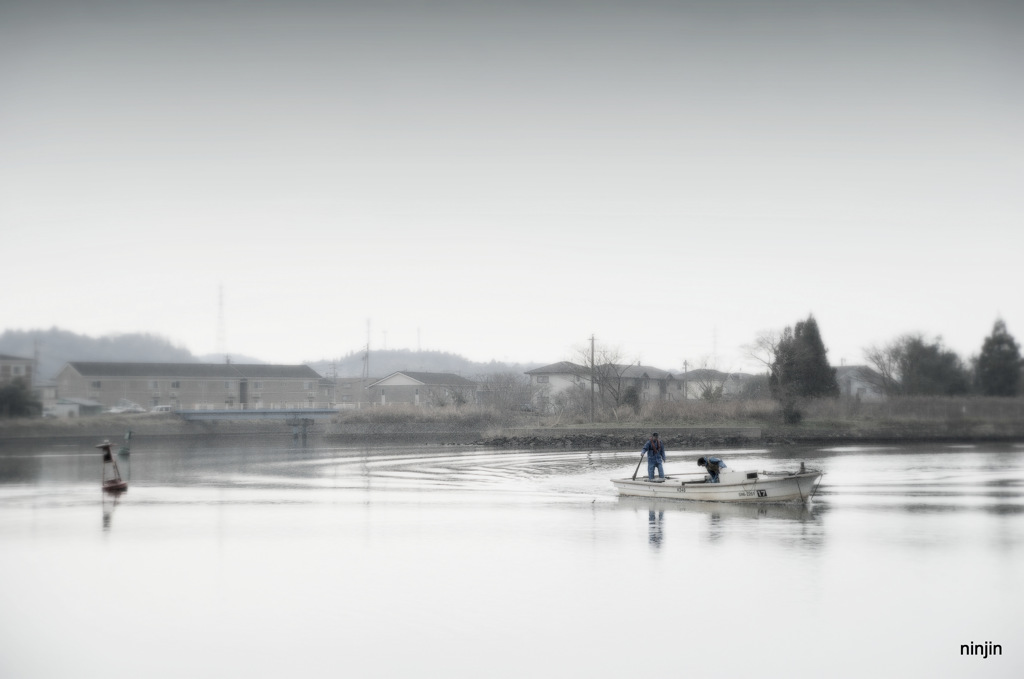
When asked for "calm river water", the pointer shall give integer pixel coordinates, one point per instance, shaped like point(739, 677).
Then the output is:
point(262, 558)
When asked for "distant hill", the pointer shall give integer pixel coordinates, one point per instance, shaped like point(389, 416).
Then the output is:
point(57, 347)
point(387, 361)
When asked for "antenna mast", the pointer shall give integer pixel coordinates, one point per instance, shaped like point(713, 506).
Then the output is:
point(221, 342)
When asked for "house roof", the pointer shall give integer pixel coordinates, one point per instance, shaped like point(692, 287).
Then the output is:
point(194, 370)
point(629, 371)
point(8, 357)
point(640, 371)
point(862, 372)
point(432, 379)
point(560, 368)
point(270, 372)
point(702, 374)
point(86, 402)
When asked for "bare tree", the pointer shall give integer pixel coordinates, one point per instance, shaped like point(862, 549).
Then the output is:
point(708, 379)
point(886, 361)
point(605, 368)
point(912, 365)
point(765, 348)
point(505, 391)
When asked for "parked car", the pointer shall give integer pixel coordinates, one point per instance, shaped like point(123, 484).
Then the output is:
point(124, 407)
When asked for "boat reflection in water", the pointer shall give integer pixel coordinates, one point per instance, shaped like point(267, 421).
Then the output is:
point(654, 522)
point(785, 523)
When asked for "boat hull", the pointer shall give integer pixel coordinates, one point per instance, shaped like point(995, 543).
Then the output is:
point(742, 486)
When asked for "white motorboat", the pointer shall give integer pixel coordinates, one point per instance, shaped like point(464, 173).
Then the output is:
point(733, 486)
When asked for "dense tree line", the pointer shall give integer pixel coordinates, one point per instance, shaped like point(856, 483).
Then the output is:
point(914, 366)
point(798, 367)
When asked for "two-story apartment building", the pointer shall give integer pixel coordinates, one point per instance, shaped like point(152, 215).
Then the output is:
point(190, 386)
point(14, 368)
point(651, 384)
point(548, 381)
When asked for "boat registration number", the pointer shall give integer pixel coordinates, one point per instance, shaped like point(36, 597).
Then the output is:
point(752, 493)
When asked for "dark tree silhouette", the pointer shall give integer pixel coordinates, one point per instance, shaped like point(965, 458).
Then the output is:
point(997, 369)
point(800, 369)
point(16, 400)
point(930, 369)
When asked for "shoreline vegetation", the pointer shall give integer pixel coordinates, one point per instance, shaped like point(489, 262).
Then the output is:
point(700, 424)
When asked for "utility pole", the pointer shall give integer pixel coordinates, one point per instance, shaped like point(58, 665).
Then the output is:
point(35, 361)
point(366, 354)
point(591, 378)
point(365, 378)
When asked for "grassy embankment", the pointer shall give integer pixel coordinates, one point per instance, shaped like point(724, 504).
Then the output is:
point(689, 424)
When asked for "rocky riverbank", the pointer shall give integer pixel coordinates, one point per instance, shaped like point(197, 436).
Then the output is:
point(576, 437)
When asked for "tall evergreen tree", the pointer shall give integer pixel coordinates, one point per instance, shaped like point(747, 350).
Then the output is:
point(997, 369)
point(801, 369)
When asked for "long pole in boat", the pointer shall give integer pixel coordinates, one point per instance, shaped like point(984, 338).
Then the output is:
point(637, 470)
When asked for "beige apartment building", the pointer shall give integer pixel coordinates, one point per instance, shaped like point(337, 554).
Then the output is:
point(13, 368)
point(196, 386)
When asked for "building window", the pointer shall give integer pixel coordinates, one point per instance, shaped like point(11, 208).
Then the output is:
point(307, 385)
point(175, 385)
point(257, 384)
point(227, 384)
point(154, 384)
point(17, 370)
point(541, 379)
point(95, 384)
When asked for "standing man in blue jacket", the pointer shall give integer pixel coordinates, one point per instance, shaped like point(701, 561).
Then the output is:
point(655, 452)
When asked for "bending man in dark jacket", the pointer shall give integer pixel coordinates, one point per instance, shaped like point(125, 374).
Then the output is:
point(714, 465)
point(655, 457)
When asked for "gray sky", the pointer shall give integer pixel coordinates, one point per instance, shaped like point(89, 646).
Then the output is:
point(502, 179)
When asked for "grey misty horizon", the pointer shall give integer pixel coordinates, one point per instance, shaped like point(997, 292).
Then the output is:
point(58, 347)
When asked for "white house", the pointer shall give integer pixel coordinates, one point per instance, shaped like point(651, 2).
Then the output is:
point(548, 381)
point(860, 382)
point(422, 389)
